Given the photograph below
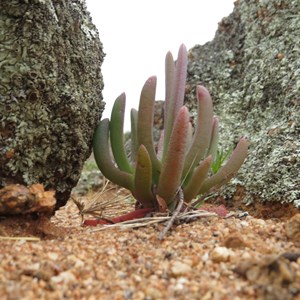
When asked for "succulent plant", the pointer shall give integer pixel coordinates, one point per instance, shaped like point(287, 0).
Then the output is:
point(184, 156)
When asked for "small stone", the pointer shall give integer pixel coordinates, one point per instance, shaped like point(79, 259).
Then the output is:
point(253, 273)
point(234, 241)
point(153, 293)
point(292, 228)
point(205, 257)
point(220, 254)
point(286, 273)
point(64, 277)
point(259, 222)
point(245, 255)
point(179, 268)
point(244, 223)
point(52, 255)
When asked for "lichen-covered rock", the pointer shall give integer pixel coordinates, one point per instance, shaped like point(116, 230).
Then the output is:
point(50, 92)
point(252, 69)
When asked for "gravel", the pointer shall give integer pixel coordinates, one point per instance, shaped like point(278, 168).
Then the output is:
point(213, 258)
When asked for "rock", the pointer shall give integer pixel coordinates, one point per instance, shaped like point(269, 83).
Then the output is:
point(153, 293)
point(292, 228)
point(220, 254)
point(89, 180)
point(179, 268)
point(16, 199)
point(252, 68)
point(63, 278)
point(272, 271)
point(50, 90)
point(234, 241)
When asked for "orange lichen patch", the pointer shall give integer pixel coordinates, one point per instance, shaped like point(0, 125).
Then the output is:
point(280, 56)
point(10, 154)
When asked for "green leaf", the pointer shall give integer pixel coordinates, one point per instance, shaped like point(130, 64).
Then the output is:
point(169, 86)
point(145, 123)
point(203, 131)
point(134, 138)
point(213, 146)
point(143, 179)
point(116, 134)
point(103, 158)
point(190, 191)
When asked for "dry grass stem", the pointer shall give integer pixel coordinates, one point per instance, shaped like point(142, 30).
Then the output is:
point(143, 222)
point(102, 202)
point(18, 238)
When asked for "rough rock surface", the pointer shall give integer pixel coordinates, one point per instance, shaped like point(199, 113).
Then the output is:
point(252, 70)
point(50, 92)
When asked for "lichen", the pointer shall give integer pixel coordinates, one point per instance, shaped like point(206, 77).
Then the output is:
point(50, 91)
point(252, 69)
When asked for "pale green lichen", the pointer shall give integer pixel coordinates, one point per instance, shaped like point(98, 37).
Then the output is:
point(50, 91)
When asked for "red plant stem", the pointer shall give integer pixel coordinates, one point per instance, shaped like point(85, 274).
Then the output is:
point(137, 214)
point(141, 213)
point(220, 210)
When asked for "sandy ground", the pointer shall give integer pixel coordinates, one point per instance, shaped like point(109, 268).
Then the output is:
point(210, 258)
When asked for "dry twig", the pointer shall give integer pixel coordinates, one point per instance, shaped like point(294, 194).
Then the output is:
point(174, 216)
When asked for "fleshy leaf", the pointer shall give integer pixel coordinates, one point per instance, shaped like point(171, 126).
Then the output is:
point(226, 172)
point(116, 134)
point(133, 136)
point(213, 146)
point(143, 179)
point(169, 83)
point(202, 133)
point(191, 190)
point(103, 158)
point(175, 92)
point(170, 178)
point(145, 123)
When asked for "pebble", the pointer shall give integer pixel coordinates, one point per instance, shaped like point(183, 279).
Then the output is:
point(153, 293)
point(64, 277)
point(205, 257)
point(244, 223)
point(292, 228)
point(259, 222)
point(220, 254)
point(234, 241)
point(53, 255)
point(179, 268)
point(245, 255)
